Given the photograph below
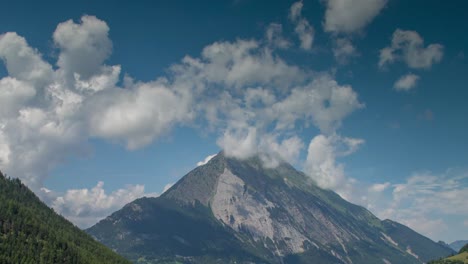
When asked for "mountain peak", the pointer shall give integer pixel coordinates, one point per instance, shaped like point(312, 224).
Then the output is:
point(200, 184)
point(239, 210)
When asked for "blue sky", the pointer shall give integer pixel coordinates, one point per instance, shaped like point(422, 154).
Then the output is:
point(102, 104)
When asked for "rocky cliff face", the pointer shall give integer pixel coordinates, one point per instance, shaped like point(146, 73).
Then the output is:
point(233, 211)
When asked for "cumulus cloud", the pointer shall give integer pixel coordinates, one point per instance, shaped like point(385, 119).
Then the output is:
point(303, 29)
point(137, 115)
point(85, 207)
point(241, 91)
point(84, 46)
point(408, 46)
point(322, 165)
point(22, 62)
point(261, 91)
point(322, 101)
point(49, 114)
point(406, 82)
point(343, 16)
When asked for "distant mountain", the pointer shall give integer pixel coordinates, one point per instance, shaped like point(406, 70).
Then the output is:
point(444, 244)
point(457, 245)
point(31, 232)
point(237, 211)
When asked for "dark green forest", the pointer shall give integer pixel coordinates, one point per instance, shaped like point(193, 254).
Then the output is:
point(32, 233)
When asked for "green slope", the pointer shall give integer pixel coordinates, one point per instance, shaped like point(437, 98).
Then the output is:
point(460, 258)
point(31, 232)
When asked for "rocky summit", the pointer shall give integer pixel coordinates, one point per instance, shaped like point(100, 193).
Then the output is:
point(239, 211)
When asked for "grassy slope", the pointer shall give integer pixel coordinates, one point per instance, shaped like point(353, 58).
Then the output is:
point(462, 257)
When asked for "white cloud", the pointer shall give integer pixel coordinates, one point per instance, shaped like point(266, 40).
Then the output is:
point(408, 46)
point(83, 47)
point(322, 166)
point(245, 142)
point(344, 16)
point(22, 62)
point(274, 150)
point(85, 207)
point(205, 161)
point(261, 91)
point(138, 114)
point(406, 82)
point(344, 50)
point(322, 101)
point(47, 115)
point(303, 29)
point(239, 142)
point(13, 94)
point(242, 63)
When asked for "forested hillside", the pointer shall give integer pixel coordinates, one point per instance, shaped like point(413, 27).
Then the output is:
point(31, 232)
